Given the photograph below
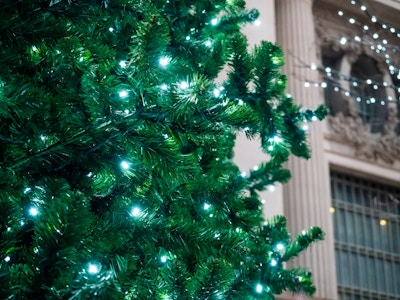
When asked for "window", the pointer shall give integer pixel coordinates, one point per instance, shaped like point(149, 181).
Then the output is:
point(366, 218)
point(360, 89)
point(368, 92)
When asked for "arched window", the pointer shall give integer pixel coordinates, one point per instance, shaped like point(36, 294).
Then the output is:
point(367, 89)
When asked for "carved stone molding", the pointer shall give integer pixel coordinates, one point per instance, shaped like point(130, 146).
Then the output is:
point(371, 146)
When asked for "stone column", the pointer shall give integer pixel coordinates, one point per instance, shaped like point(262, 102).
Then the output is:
point(307, 196)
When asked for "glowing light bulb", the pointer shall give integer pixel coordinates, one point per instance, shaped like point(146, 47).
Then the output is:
point(273, 263)
point(208, 43)
point(375, 36)
point(135, 211)
point(110, 29)
point(331, 210)
point(259, 288)
point(163, 259)
point(214, 21)
point(324, 85)
point(123, 64)
point(314, 118)
point(277, 139)
point(363, 8)
point(340, 13)
point(125, 165)
point(382, 222)
point(313, 66)
point(328, 70)
point(280, 247)
point(305, 127)
point(33, 211)
point(34, 49)
point(123, 94)
point(373, 19)
point(271, 188)
point(357, 38)
point(206, 206)
point(93, 268)
point(369, 81)
point(28, 189)
point(164, 61)
point(243, 174)
point(343, 40)
point(307, 84)
point(164, 87)
point(183, 85)
point(365, 27)
point(352, 21)
point(257, 22)
point(7, 259)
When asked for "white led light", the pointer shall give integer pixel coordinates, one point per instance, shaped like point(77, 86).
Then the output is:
point(324, 85)
point(183, 85)
point(214, 21)
point(217, 92)
point(373, 19)
point(28, 189)
point(163, 259)
point(164, 87)
point(33, 211)
point(357, 38)
point(328, 70)
point(352, 21)
point(243, 174)
point(369, 81)
point(343, 40)
point(273, 263)
point(7, 259)
point(208, 43)
point(366, 27)
point(392, 30)
point(34, 49)
point(135, 211)
point(93, 269)
point(206, 206)
point(187, 38)
point(125, 165)
point(257, 22)
point(259, 288)
point(123, 94)
point(164, 61)
point(305, 127)
point(375, 35)
point(306, 84)
point(123, 64)
point(340, 13)
point(277, 139)
point(314, 118)
point(110, 29)
point(271, 188)
point(313, 66)
point(280, 247)
point(363, 8)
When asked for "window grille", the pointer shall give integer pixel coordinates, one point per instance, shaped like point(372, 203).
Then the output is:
point(366, 218)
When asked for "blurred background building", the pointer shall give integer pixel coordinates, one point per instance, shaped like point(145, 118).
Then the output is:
point(345, 54)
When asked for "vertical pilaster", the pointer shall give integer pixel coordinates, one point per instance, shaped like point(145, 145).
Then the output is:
point(307, 196)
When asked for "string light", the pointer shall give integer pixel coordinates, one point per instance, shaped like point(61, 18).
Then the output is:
point(164, 61)
point(93, 268)
point(273, 262)
point(163, 259)
point(135, 211)
point(206, 206)
point(125, 165)
point(214, 21)
point(123, 94)
point(122, 64)
point(33, 211)
point(259, 288)
point(183, 85)
point(7, 259)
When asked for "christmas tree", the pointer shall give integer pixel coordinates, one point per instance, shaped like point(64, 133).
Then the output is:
point(116, 142)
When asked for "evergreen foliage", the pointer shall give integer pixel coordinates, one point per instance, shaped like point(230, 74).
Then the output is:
point(116, 144)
